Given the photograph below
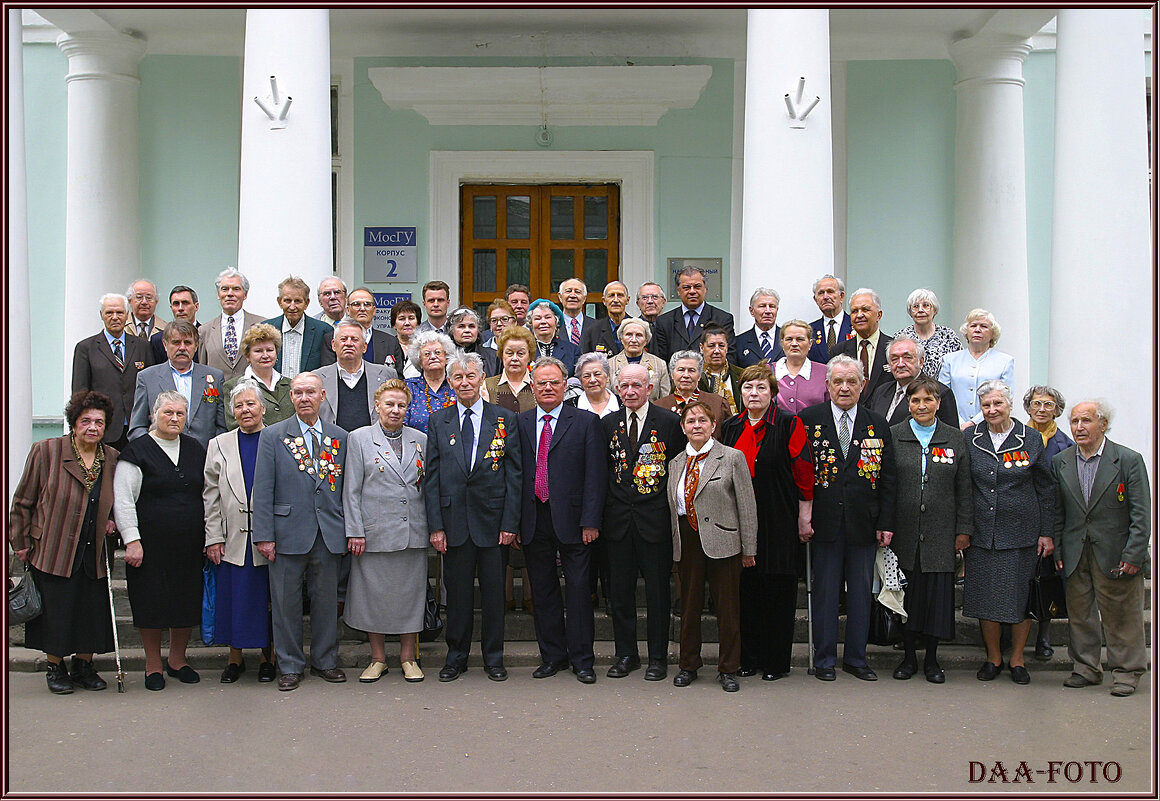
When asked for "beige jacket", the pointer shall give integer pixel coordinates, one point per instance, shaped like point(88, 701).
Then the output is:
point(724, 502)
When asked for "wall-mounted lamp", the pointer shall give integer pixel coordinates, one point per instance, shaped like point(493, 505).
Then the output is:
point(277, 118)
point(792, 105)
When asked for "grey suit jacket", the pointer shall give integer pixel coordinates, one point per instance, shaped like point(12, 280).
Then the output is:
point(292, 506)
point(227, 507)
point(382, 499)
point(724, 501)
point(207, 414)
point(1117, 517)
point(211, 352)
point(376, 375)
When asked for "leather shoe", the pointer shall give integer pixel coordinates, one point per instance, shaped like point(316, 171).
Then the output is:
point(934, 674)
point(862, 672)
point(825, 674)
point(1122, 690)
point(770, 675)
point(154, 681)
point(289, 681)
point(746, 672)
point(623, 666)
point(906, 668)
point(232, 672)
point(266, 672)
point(656, 671)
point(452, 672)
point(988, 671)
point(334, 675)
point(59, 682)
point(1044, 651)
point(684, 678)
point(585, 675)
point(185, 674)
point(82, 675)
point(496, 672)
point(547, 669)
point(728, 682)
point(1075, 680)
point(1019, 674)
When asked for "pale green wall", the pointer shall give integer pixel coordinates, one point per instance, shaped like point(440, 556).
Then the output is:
point(1039, 139)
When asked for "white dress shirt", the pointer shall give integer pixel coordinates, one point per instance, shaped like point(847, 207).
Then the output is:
point(183, 382)
point(689, 451)
point(351, 379)
point(476, 420)
point(292, 346)
point(555, 415)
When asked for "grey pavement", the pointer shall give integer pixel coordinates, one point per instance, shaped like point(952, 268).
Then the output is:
point(557, 735)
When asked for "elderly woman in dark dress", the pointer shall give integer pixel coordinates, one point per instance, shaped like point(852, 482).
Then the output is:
point(1014, 500)
point(774, 444)
point(60, 516)
point(161, 517)
point(466, 333)
point(933, 519)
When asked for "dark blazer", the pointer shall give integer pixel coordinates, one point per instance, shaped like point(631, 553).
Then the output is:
point(586, 322)
point(95, 369)
point(749, 347)
point(316, 336)
point(480, 501)
point(565, 351)
point(880, 400)
point(1014, 506)
point(598, 336)
point(734, 385)
point(158, 347)
point(643, 501)
point(844, 501)
point(819, 351)
point(48, 507)
point(671, 335)
point(387, 350)
point(879, 369)
point(577, 474)
point(929, 514)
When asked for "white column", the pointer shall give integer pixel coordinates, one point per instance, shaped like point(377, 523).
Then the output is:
point(787, 237)
point(19, 336)
point(284, 226)
point(1101, 264)
point(990, 252)
point(102, 223)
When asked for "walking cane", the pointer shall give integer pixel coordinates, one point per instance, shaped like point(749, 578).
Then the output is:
point(113, 615)
point(810, 607)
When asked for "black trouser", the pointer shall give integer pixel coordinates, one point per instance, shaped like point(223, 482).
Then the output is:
point(629, 557)
point(461, 564)
point(561, 639)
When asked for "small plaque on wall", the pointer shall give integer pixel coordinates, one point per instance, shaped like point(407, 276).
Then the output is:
point(711, 268)
point(384, 302)
point(389, 255)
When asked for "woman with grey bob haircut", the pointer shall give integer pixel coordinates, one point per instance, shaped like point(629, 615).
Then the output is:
point(937, 340)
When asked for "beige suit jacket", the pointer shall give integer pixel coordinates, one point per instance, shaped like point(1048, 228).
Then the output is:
point(724, 502)
point(212, 353)
point(227, 507)
point(138, 330)
point(657, 371)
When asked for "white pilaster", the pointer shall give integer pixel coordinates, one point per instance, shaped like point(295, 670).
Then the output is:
point(19, 333)
point(990, 250)
point(284, 225)
point(1101, 266)
point(102, 222)
point(787, 237)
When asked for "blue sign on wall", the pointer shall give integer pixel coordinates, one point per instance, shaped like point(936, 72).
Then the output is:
point(384, 302)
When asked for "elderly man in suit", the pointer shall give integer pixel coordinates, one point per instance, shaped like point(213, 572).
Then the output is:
point(853, 514)
point(1102, 530)
point(381, 347)
point(351, 382)
point(221, 337)
point(639, 441)
point(332, 299)
point(298, 526)
point(183, 303)
point(904, 358)
point(833, 327)
point(869, 344)
point(650, 299)
point(108, 362)
point(303, 338)
point(564, 485)
point(599, 336)
point(763, 341)
point(573, 295)
point(680, 329)
point(201, 386)
point(144, 323)
point(472, 492)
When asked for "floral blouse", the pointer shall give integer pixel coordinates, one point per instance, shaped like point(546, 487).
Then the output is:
point(424, 402)
point(943, 341)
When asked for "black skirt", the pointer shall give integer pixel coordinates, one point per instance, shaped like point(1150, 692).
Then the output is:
point(76, 616)
point(930, 604)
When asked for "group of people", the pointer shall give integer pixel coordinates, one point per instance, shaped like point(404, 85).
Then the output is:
point(318, 458)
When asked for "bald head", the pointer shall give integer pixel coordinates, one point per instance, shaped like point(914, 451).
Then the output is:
point(633, 384)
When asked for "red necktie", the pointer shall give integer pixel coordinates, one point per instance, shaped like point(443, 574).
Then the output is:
point(575, 331)
point(542, 459)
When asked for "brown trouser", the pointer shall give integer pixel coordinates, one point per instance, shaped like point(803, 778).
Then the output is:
point(1094, 598)
point(724, 577)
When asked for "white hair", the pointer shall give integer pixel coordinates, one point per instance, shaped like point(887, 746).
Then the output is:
point(873, 296)
point(246, 385)
point(922, 294)
point(982, 314)
point(760, 291)
point(841, 284)
point(129, 291)
point(230, 272)
point(168, 396)
point(426, 338)
point(105, 298)
point(583, 285)
point(842, 360)
point(1103, 409)
point(612, 284)
point(995, 385)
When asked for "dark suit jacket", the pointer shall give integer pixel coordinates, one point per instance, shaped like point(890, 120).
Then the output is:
point(159, 354)
point(844, 501)
point(626, 504)
point(734, 385)
point(671, 335)
point(880, 402)
point(480, 501)
point(749, 347)
point(95, 369)
point(598, 336)
point(565, 351)
point(1014, 506)
point(387, 350)
point(879, 369)
point(577, 474)
point(316, 336)
point(819, 352)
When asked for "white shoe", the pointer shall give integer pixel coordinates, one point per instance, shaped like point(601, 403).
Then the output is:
point(373, 672)
point(411, 672)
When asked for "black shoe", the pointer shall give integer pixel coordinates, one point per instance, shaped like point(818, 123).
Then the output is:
point(656, 671)
point(154, 681)
point(728, 682)
point(771, 675)
point(825, 674)
point(186, 674)
point(1019, 674)
point(266, 672)
point(934, 674)
point(452, 672)
point(547, 669)
point(1044, 651)
point(906, 668)
point(585, 675)
point(623, 666)
point(496, 672)
point(684, 678)
point(233, 672)
point(82, 675)
point(746, 672)
point(334, 675)
point(988, 671)
point(862, 672)
point(58, 679)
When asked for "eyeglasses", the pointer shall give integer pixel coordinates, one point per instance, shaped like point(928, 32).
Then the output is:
point(1039, 404)
point(650, 297)
point(507, 318)
point(553, 383)
point(361, 304)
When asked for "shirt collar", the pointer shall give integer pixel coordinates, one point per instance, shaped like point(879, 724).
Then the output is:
point(640, 413)
point(111, 339)
point(144, 325)
point(503, 379)
point(239, 320)
point(476, 408)
point(306, 429)
point(781, 369)
point(691, 451)
point(837, 412)
point(356, 375)
point(177, 372)
point(300, 328)
point(698, 311)
point(872, 339)
point(249, 373)
point(554, 414)
point(1099, 451)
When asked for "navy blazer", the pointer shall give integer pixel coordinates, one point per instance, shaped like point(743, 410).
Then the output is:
point(565, 351)
point(880, 402)
point(316, 336)
point(749, 347)
point(819, 351)
point(599, 336)
point(670, 333)
point(577, 474)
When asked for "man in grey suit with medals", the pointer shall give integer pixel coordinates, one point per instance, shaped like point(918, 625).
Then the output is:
point(472, 492)
point(298, 525)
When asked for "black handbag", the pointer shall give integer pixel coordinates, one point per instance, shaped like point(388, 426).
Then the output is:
point(24, 601)
point(1047, 598)
point(432, 623)
point(885, 625)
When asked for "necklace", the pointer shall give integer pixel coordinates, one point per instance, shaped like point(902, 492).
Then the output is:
point(90, 474)
point(448, 399)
